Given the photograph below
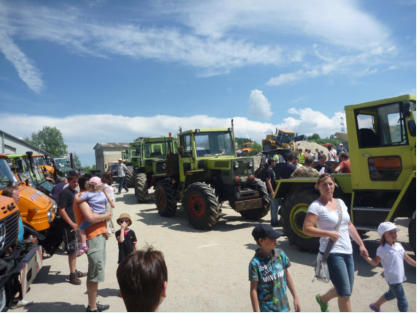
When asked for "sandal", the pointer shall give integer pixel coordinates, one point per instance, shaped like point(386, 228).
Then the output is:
point(373, 308)
point(324, 307)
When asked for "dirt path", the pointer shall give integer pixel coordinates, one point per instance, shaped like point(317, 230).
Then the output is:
point(207, 271)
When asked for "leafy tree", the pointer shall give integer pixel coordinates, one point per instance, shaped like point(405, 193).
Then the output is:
point(49, 139)
point(256, 148)
point(314, 137)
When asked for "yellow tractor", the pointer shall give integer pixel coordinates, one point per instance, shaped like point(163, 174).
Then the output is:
point(282, 139)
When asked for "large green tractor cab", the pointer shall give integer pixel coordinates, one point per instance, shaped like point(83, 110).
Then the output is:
point(204, 173)
point(382, 182)
point(147, 156)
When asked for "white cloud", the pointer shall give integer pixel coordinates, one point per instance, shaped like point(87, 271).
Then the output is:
point(342, 23)
point(24, 67)
point(82, 132)
point(259, 105)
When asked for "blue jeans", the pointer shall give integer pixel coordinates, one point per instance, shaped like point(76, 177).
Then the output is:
point(397, 291)
point(274, 210)
point(341, 270)
point(122, 183)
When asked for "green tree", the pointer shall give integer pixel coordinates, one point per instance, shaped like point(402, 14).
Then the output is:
point(77, 161)
point(49, 139)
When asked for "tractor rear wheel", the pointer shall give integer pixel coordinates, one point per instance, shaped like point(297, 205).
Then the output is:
point(165, 198)
point(256, 214)
point(202, 205)
point(141, 187)
point(294, 210)
point(412, 233)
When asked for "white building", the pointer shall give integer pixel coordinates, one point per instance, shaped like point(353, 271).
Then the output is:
point(13, 145)
point(108, 152)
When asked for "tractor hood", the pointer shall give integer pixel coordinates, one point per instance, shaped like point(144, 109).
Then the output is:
point(238, 166)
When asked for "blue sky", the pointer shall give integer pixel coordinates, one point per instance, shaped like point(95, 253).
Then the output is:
point(110, 71)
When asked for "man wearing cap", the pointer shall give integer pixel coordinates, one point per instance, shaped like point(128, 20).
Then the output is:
point(269, 275)
point(121, 172)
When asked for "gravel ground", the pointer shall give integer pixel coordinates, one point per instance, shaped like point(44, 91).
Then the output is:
point(207, 271)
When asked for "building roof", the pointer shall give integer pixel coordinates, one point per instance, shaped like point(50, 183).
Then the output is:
point(111, 145)
point(22, 142)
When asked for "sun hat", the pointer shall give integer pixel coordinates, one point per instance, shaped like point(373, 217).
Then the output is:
point(122, 216)
point(95, 181)
point(265, 231)
point(386, 226)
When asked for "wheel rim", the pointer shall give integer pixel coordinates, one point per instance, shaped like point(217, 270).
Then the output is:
point(162, 201)
point(297, 215)
point(197, 206)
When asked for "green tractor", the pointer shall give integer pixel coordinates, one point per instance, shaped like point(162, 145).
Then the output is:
point(147, 156)
point(204, 173)
point(382, 184)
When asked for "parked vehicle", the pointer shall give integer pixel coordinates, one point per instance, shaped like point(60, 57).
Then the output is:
point(382, 182)
point(148, 160)
point(205, 172)
point(44, 163)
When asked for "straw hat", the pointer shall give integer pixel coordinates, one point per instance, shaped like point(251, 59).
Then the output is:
point(124, 215)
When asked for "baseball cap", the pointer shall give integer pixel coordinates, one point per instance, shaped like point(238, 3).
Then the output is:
point(386, 226)
point(95, 181)
point(265, 231)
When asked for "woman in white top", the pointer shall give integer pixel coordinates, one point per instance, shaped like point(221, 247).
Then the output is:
point(323, 212)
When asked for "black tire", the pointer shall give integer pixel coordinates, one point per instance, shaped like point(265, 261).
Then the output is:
point(412, 233)
point(165, 198)
point(256, 214)
point(293, 212)
point(130, 180)
point(202, 205)
point(141, 187)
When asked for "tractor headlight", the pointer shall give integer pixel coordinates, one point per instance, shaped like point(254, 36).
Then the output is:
point(236, 164)
point(2, 235)
point(164, 166)
point(250, 164)
point(54, 206)
point(50, 215)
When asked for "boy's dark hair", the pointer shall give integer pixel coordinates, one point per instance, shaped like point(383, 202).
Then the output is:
point(291, 156)
point(107, 179)
point(344, 155)
point(141, 278)
point(71, 175)
point(308, 160)
point(83, 180)
point(270, 161)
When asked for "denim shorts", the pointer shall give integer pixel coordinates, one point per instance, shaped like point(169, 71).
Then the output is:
point(341, 270)
point(397, 291)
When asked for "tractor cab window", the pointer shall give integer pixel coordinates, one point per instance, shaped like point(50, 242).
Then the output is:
point(381, 126)
point(209, 144)
point(186, 144)
point(6, 176)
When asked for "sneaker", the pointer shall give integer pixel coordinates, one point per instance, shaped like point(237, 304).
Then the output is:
point(21, 303)
point(80, 274)
point(99, 308)
point(73, 279)
point(324, 307)
point(373, 308)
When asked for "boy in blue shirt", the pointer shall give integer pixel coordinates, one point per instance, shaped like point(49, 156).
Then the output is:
point(269, 275)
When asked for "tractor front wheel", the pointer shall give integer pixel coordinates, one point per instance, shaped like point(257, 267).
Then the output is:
point(141, 187)
point(294, 210)
point(202, 205)
point(258, 213)
point(165, 198)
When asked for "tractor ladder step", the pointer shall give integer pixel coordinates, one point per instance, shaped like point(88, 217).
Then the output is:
point(370, 209)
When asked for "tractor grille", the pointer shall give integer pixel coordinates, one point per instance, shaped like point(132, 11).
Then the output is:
point(9, 229)
point(224, 164)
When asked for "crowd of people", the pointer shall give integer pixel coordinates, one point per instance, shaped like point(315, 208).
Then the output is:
point(85, 218)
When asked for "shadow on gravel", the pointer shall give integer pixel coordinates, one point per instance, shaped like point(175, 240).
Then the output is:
point(54, 307)
point(45, 275)
point(179, 222)
point(107, 292)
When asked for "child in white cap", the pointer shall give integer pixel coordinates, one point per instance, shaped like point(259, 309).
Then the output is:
point(97, 198)
point(391, 254)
